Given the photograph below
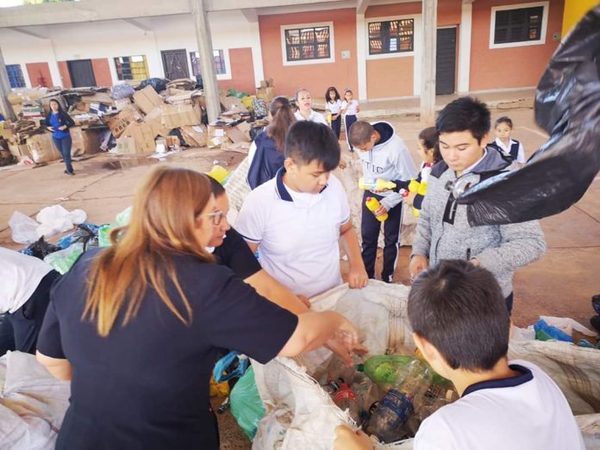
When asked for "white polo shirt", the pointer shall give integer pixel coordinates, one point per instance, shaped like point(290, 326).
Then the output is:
point(524, 412)
point(297, 233)
point(20, 276)
point(314, 117)
point(506, 149)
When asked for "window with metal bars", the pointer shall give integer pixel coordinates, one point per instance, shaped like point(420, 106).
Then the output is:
point(219, 58)
point(306, 43)
point(391, 36)
point(131, 67)
point(15, 76)
point(518, 25)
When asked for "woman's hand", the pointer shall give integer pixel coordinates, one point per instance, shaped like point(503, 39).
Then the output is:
point(62, 128)
point(345, 342)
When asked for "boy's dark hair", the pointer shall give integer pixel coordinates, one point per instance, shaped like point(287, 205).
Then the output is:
point(216, 187)
point(337, 94)
point(429, 136)
point(464, 114)
point(360, 132)
point(504, 119)
point(309, 141)
point(460, 310)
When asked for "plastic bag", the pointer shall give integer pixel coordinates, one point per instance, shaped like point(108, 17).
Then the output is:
point(40, 249)
point(159, 84)
point(56, 219)
point(23, 228)
point(567, 106)
point(63, 260)
point(120, 91)
point(246, 405)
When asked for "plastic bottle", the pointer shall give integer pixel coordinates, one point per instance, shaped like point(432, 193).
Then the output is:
point(386, 369)
point(370, 184)
point(545, 332)
point(345, 399)
point(398, 404)
point(373, 205)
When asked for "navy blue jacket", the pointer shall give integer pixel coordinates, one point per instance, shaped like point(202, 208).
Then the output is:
point(267, 161)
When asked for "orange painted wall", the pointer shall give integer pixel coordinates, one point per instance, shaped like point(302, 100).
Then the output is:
point(242, 71)
point(390, 77)
point(39, 74)
point(511, 67)
point(449, 12)
point(102, 72)
point(314, 77)
point(65, 76)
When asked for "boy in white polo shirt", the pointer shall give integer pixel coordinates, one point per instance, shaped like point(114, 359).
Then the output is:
point(461, 326)
point(297, 219)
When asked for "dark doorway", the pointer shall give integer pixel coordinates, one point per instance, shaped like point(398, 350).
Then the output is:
point(175, 64)
point(82, 73)
point(445, 65)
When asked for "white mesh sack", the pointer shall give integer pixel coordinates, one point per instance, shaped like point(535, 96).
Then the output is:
point(300, 414)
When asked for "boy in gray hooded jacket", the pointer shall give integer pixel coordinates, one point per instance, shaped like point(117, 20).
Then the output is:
point(384, 155)
point(443, 231)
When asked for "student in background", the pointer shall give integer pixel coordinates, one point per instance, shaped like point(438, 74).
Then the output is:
point(268, 146)
point(333, 104)
point(58, 122)
point(510, 147)
point(350, 110)
point(430, 154)
point(305, 111)
point(383, 155)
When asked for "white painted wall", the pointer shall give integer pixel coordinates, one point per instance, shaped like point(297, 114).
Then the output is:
point(121, 38)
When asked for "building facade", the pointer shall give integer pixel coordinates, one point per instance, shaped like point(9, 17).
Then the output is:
point(374, 48)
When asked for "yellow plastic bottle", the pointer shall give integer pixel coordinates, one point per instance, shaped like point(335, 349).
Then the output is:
point(373, 205)
point(369, 184)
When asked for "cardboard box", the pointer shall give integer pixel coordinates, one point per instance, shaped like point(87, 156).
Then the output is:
point(126, 145)
point(154, 120)
point(42, 148)
point(266, 93)
point(194, 136)
point(120, 121)
point(176, 116)
point(85, 142)
point(144, 136)
point(122, 103)
point(20, 151)
point(147, 99)
point(237, 135)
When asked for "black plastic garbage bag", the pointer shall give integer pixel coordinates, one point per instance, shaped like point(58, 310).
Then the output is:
point(567, 106)
point(159, 84)
point(40, 249)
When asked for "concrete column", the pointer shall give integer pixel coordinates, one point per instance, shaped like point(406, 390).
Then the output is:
point(207, 65)
point(5, 106)
point(464, 46)
point(429, 57)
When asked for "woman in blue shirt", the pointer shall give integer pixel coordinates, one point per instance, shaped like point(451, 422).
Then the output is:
point(59, 122)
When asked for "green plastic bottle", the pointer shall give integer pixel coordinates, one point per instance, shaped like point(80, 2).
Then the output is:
point(386, 369)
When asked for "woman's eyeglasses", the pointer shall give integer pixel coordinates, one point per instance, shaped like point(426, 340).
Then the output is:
point(216, 217)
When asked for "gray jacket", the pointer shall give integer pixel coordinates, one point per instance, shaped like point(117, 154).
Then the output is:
point(443, 231)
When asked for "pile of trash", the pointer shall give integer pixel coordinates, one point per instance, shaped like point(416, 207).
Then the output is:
point(152, 115)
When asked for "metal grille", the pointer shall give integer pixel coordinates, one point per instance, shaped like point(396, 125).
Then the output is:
point(308, 43)
point(391, 36)
point(518, 25)
point(15, 76)
point(131, 67)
